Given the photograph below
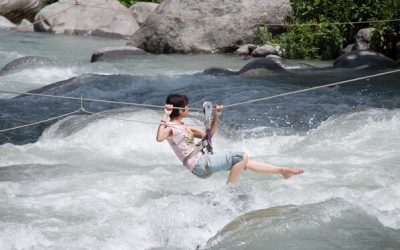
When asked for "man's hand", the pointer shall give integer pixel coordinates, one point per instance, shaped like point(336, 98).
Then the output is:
point(218, 109)
point(168, 109)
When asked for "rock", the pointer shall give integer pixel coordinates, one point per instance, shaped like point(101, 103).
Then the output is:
point(349, 48)
point(363, 38)
point(16, 10)
point(245, 50)
point(219, 72)
point(116, 53)
point(64, 17)
point(6, 25)
point(25, 26)
point(258, 67)
point(267, 49)
point(24, 62)
point(262, 63)
point(142, 10)
point(192, 26)
point(364, 59)
point(288, 65)
point(398, 50)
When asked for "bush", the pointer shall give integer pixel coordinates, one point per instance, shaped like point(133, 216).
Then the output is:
point(319, 29)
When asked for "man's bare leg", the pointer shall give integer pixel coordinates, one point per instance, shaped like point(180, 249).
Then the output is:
point(260, 167)
point(236, 169)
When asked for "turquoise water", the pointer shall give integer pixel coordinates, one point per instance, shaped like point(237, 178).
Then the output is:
point(88, 182)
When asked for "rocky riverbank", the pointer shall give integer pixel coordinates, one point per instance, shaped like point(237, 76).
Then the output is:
point(181, 26)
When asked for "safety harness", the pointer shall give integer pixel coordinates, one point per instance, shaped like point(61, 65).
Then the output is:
point(205, 145)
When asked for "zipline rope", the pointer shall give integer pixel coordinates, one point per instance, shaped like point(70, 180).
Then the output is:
point(226, 106)
point(38, 122)
point(129, 120)
point(311, 89)
point(78, 4)
point(237, 20)
point(157, 106)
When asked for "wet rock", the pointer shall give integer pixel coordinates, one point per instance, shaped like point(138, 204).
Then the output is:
point(219, 72)
point(258, 67)
point(116, 53)
point(25, 62)
point(267, 64)
point(364, 59)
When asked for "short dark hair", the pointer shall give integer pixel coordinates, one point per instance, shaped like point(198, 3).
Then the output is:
point(178, 101)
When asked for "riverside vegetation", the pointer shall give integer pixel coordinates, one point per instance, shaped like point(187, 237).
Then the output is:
point(319, 29)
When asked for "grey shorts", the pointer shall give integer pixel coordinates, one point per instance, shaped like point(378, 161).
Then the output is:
point(212, 163)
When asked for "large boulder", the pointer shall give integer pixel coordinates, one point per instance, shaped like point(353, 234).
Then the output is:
point(6, 25)
point(364, 59)
point(16, 10)
point(142, 10)
point(192, 26)
point(91, 17)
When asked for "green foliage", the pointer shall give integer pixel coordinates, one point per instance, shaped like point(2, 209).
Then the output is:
point(321, 28)
point(312, 41)
point(262, 36)
point(386, 35)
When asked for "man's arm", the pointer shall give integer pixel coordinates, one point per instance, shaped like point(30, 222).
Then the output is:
point(163, 131)
point(217, 114)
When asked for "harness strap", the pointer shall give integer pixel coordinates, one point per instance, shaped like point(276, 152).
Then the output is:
point(201, 146)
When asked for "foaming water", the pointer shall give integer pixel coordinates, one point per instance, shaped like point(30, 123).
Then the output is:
point(104, 183)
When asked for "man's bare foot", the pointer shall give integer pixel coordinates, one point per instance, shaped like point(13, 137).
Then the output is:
point(288, 172)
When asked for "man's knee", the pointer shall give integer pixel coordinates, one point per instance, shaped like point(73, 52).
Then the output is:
point(244, 160)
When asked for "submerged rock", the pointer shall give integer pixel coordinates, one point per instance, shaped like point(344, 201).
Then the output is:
point(116, 53)
point(323, 225)
point(257, 67)
point(262, 63)
point(364, 59)
point(24, 62)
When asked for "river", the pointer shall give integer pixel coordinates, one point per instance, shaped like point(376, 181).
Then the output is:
point(103, 182)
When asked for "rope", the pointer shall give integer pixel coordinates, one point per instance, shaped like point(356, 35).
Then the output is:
point(35, 123)
point(310, 89)
point(51, 16)
point(130, 120)
point(237, 20)
point(82, 109)
point(77, 3)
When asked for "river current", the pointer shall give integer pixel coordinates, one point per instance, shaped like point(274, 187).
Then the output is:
point(103, 182)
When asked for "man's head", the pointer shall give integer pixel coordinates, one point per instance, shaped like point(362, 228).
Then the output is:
point(178, 101)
